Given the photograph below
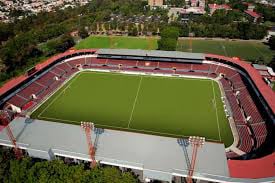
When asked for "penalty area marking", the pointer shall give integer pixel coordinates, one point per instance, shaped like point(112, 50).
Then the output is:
point(57, 97)
point(215, 105)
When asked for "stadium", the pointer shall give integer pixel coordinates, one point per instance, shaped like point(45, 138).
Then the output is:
point(144, 105)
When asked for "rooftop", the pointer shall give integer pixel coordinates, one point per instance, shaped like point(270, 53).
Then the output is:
point(219, 6)
point(195, 10)
point(252, 13)
point(260, 67)
point(151, 53)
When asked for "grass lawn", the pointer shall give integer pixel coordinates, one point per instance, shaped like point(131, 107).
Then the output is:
point(147, 104)
point(248, 50)
point(118, 42)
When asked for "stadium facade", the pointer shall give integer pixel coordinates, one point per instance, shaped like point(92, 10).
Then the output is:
point(249, 104)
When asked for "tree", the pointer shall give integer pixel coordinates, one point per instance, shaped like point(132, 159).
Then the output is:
point(5, 31)
point(272, 63)
point(83, 33)
point(169, 38)
point(133, 31)
point(59, 45)
point(33, 171)
point(271, 42)
point(167, 44)
point(170, 32)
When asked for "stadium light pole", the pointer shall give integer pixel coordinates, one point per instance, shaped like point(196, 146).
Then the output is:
point(196, 142)
point(88, 127)
point(79, 16)
point(5, 120)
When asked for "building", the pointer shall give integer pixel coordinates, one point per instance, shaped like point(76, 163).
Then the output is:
point(253, 16)
point(250, 6)
point(265, 71)
point(214, 7)
point(189, 13)
point(155, 3)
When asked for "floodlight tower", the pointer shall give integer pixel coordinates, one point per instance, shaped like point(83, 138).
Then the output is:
point(196, 142)
point(4, 118)
point(88, 127)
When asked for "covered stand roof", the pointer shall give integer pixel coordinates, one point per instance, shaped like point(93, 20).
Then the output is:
point(151, 53)
point(157, 156)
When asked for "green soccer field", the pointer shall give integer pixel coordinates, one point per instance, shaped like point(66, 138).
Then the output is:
point(248, 50)
point(168, 106)
point(148, 43)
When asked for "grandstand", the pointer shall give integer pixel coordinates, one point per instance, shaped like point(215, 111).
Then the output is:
point(249, 104)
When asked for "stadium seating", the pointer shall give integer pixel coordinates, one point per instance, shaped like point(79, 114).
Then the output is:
point(74, 63)
point(226, 71)
point(200, 67)
point(235, 78)
point(33, 88)
point(100, 61)
point(168, 65)
point(147, 64)
point(17, 101)
point(47, 79)
point(246, 142)
point(259, 129)
point(237, 113)
point(213, 68)
point(250, 107)
point(64, 66)
point(58, 72)
point(260, 140)
point(226, 85)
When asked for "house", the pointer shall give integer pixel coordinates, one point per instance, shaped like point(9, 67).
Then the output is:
point(214, 7)
point(253, 16)
point(189, 13)
point(265, 71)
point(155, 3)
point(250, 6)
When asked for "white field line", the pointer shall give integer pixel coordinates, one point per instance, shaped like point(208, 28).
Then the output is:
point(62, 92)
point(258, 50)
point(48, 96)
point(135, 101)
point(215, 104)
point(123, 128)
point(224, 49)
